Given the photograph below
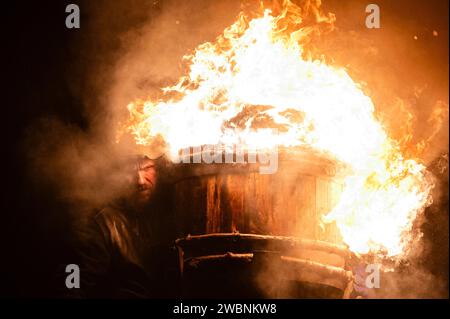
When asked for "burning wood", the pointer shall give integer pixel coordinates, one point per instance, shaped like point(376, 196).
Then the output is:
point(262, 60)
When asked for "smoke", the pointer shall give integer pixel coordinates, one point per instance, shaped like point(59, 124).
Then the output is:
point(153, 53)
point(78, 168)
point(124, 51)
point(128, 50)
point(401, 66)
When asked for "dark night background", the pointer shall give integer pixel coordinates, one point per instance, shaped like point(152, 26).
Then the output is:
point(41, 54)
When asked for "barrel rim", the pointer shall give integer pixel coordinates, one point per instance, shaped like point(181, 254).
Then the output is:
point(284, 242)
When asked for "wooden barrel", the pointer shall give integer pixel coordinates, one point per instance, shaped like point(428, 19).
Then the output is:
point(227, 198)
point(247, 234)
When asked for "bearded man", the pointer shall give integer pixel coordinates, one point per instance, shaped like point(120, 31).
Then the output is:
point(124, 250)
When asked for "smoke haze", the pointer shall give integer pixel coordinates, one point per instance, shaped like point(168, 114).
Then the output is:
point(127, 50)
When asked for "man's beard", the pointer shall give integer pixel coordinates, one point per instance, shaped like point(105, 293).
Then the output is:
point(143, 196)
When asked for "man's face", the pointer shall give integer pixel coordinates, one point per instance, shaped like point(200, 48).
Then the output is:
point(145, 180)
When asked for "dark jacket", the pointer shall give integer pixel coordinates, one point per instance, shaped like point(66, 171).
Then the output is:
point(122, 254)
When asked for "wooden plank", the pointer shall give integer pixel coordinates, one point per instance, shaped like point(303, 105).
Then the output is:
point(235, 199)
point(213, 205)
point(322, 207)
point(286, 203)
point(306, 207)
point(335, 194)
point(190, 206)
point(250, 203)
point(258, 203)
point(264, 204)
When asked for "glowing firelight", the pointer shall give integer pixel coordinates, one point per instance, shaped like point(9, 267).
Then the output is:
point(255, 75)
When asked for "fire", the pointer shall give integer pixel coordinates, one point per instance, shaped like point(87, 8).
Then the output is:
point(256, 75)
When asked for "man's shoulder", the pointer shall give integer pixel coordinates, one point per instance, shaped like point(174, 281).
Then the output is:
point(110, 212)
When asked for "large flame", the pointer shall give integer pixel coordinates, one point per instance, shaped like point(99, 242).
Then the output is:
point(256, 75)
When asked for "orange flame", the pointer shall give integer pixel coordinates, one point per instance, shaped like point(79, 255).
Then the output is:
point(255, 75)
